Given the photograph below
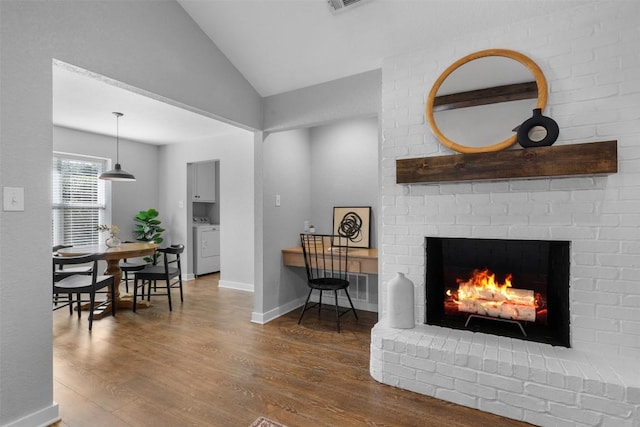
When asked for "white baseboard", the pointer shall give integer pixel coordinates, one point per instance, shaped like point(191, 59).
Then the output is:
point(344, 302)
point(263, 318)
point(41, 418)
point(236, 285)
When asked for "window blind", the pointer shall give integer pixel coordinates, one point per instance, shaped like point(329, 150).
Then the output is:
point(78, 199)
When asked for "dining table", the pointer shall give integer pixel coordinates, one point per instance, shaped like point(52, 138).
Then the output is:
point(113, 255)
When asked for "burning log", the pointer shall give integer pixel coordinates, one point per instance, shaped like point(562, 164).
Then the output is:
point(482, 295)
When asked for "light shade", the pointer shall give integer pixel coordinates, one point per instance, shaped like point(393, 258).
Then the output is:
point(117, 174)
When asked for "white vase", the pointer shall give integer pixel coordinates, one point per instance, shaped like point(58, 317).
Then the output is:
point(401, 303)
point(112, 241)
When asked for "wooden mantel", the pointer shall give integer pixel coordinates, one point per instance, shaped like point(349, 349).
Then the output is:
point(592, 158)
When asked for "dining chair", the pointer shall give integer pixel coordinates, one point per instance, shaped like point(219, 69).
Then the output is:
point(130, 266)
point(326, 259)
point(60, 301)
point(170, 272)
point(81, 283)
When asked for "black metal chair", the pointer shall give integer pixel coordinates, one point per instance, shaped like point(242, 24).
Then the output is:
point(170, 272)
point(326, 258)
point(80, 283)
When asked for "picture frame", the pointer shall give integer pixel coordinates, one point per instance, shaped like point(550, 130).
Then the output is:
point(354, 223)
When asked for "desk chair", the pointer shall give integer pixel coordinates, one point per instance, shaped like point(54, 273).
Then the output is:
point(81, 283)
point(326, 259)
point(170, 272)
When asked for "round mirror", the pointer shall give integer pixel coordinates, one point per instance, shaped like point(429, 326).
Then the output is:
point(478, 102)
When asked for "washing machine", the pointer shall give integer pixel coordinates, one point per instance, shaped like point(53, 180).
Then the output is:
point(206, 238)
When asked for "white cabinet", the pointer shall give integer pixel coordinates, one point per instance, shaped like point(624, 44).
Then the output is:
point(204, 182)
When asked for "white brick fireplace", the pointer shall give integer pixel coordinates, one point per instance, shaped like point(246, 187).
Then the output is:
point(591, 60)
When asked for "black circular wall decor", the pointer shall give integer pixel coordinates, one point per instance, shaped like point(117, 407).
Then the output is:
point(549, 129)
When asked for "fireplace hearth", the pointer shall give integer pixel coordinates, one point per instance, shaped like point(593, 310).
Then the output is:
point(513, 288)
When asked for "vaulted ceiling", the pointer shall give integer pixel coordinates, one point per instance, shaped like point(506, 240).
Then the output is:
point(282, 45)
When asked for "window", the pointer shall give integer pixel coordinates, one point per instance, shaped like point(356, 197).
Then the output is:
point(79, 201)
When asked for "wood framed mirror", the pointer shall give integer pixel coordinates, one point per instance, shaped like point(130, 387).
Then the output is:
point(492, 90)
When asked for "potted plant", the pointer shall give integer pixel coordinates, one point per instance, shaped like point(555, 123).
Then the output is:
point(147, 228)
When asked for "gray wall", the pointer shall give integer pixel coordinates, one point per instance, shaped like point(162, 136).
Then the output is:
point(154, 46)
point(344, 170)
point(127, 198)
point(312, 170)
point(286, 162)
point(235, 196)
point(353, 96)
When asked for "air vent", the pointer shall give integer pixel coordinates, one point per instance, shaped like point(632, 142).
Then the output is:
point(342, 5)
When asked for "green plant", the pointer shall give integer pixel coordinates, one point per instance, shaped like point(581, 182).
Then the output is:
point(147, 227)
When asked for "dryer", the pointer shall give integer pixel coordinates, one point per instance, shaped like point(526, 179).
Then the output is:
point(206, 248)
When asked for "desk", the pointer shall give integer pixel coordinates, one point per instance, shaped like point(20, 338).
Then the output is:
point(360, 260)
point(113, 257)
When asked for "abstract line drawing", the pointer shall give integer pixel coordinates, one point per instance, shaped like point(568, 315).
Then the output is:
point(354, 224)
point(351, 227)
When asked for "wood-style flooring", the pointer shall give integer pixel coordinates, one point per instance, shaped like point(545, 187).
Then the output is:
point(206, 364)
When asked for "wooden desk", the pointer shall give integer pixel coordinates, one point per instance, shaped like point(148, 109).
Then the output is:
point(360, 260)
point(113, 257)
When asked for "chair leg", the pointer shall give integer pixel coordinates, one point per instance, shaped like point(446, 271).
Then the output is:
point(180, 282)
point(113, 301)
point(168, 293)
point(92, 297)
point(70, 298)
point(304, 307)
point(337, 311)
point(126, 281)
point(135, 292)
point(79, 305)
point(320, 303)
point(352, 308)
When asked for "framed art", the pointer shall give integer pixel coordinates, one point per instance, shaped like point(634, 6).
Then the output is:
point(354, 223)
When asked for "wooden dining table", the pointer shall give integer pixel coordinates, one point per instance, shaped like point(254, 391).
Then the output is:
point(113, 255)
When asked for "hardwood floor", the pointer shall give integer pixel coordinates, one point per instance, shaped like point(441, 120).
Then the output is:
point(206, 364)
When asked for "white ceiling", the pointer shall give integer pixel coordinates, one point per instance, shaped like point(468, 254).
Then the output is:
point(282, 45)
point(84, 101)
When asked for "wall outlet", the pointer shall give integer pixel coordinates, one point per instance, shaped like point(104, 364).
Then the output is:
point(277, 200)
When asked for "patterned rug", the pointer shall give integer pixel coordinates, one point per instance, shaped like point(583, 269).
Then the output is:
point(265, 422)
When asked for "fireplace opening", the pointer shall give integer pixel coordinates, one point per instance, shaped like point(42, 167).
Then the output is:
point(514, 288)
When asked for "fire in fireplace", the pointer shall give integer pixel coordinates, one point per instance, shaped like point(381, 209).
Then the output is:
point(516, 288)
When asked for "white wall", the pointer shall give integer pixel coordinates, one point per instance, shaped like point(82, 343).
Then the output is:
point(154, 46)
point(236, 198)
point(127, 198)
point(589, 55)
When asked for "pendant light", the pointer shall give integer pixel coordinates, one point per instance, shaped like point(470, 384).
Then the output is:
point(117, 174)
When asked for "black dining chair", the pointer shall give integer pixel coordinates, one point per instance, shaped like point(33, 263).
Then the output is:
point(60, 301)
point(131, 266)
point(170, 272)
point(81, 283)
point(326, 259)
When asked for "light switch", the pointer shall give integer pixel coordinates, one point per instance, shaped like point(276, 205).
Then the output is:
point(277, 200)
point(13, 198)
point(180, 204)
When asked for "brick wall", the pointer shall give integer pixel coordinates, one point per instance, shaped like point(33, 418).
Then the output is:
point(591, 60)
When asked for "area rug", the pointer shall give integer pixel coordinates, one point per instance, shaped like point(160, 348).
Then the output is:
point(265, 422)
